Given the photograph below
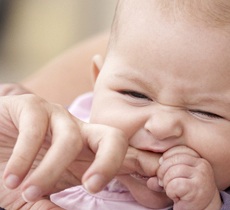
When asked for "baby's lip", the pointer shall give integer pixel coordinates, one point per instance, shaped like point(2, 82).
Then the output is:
point(139, 176)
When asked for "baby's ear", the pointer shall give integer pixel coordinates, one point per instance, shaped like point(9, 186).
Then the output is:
point(97, 63)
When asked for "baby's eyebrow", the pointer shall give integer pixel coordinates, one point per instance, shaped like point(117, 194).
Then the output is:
point(211, 100)
point(137, 79)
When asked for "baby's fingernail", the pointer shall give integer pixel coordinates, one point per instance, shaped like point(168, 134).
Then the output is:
point(32, 193)
point(161, 160)
point(94, 183)
point(160, 183)
point(11, 181)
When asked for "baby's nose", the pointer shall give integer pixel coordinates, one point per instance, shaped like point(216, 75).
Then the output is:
point(164, 125)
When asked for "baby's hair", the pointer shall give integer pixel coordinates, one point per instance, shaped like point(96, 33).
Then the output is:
point(210, 12)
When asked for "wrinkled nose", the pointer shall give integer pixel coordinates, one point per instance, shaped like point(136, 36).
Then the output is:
point(165, 124)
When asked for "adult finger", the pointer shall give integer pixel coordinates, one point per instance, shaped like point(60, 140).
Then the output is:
point(28, 143)
point(12, 89)
point(145, 163)
point(66, 144)
point(110, 146)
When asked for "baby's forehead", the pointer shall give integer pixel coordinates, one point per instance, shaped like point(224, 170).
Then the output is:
point(205, 13)
point(213, 13)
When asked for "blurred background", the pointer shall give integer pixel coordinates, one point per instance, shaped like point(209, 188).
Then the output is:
point(33, 32)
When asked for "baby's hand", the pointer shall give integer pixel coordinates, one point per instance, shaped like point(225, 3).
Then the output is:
point(7, 89)
point(39, 126)
point(188, 180)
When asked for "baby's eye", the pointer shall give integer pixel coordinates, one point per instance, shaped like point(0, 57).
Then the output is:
point(206, 114)
point(135, 94)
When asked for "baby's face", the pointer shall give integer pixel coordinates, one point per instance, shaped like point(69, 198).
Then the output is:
point(167, 83)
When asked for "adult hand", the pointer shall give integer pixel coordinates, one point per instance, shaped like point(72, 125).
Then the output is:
point(12, 199)
point(50, 133)
point(28, 116)
point(12, 89)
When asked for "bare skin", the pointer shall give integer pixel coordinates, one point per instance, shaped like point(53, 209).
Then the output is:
point(69, 74)
point(17, 112)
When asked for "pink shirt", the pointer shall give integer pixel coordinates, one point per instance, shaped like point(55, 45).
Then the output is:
point(114, 197)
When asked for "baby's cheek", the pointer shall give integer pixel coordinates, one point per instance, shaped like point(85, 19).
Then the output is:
point(222, 180)
point(140, 139)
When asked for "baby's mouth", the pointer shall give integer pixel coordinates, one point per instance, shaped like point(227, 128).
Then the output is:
point(139, 176)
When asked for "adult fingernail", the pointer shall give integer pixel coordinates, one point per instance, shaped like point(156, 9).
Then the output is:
point(11, 181)
point(95, 183)
point(32, 193)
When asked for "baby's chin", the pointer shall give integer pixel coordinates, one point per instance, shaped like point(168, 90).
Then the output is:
point(136, 184)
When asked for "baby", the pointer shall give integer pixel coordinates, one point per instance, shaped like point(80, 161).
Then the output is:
point(165, 82)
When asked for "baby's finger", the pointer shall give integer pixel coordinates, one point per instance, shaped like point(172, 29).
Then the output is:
point(110, 146)
point(179, 150)
point(178, 159)
point(178, 188)
point(176, 172)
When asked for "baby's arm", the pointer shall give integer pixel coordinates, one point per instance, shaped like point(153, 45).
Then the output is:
point(37, 125)
point(188, 180)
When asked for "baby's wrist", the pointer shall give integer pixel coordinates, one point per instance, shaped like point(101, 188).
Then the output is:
point(216, 202)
